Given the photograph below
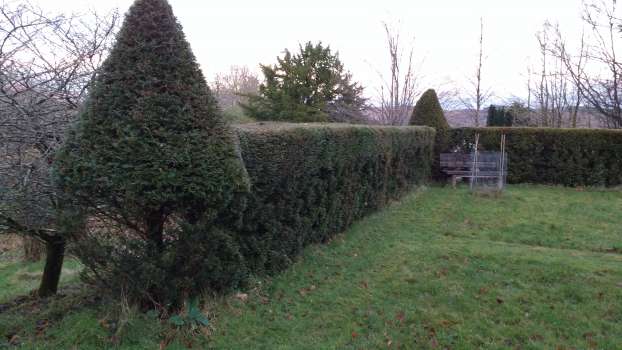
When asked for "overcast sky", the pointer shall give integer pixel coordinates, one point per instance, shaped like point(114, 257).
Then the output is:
point(249, 32)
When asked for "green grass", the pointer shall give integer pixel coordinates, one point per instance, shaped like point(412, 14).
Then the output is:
point(538, 268)
point(18, 278)
point(447, 269)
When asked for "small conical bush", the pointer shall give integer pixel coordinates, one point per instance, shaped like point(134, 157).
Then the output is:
point(428, 112)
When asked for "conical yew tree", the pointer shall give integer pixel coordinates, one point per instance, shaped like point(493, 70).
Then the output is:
point(428, 112)
point(150, 143)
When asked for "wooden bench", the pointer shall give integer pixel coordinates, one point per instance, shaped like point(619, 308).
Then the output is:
point(462, 165)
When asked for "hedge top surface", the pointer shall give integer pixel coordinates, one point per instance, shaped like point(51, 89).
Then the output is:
point(532, 130)
point(276, 127)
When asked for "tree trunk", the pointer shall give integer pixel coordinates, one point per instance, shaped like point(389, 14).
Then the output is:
point(33, 249)
point(155, 227)
point(55, 254)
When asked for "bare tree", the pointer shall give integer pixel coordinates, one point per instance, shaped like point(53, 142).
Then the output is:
point(398, 92)
point(231, 88)
point(46, 64)
point(558, 97)
point(594, 67)
point(478, 95)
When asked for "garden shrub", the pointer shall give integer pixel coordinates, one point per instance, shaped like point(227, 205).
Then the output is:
point(311, 181)
point(428, 112)
point(570, 157)
point(149, 157)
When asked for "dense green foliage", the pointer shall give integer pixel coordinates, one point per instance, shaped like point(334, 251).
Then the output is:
point(149, 155)
point(310, 86)
point(499, 116)
point(428, 112)
point(310, 182)
point(570, 157)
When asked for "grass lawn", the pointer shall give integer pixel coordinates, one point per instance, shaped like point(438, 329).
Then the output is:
point(538, 268)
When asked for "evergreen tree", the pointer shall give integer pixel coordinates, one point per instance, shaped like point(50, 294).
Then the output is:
point(150, 152)
point(310, 86)
point(428, 112)
point(500, 116)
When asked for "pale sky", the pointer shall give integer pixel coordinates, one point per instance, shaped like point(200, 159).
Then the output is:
point(249, 32)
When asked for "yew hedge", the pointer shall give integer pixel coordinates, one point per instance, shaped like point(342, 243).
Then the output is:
point(569, 157)
point(311, 181)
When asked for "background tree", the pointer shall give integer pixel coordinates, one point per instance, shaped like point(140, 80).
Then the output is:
point(232, 89)
point(46, 64)
point(151, 163)
point(310, 86)
point(557, 97)
point(399, 90)
point(594, 66)
point(428, 112)
point(478, 95)
point(234, 86)
point(499, 116)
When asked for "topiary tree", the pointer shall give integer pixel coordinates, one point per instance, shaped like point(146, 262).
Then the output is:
point(149, 156)
point(428, 112)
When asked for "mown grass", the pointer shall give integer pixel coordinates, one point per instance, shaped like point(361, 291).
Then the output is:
point(537, 268)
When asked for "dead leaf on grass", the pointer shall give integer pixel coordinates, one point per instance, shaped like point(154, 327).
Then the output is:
point(242, 297)
point(400, 317)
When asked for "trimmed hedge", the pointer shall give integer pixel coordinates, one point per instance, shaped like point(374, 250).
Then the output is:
point(311, 181)
point(570, 157)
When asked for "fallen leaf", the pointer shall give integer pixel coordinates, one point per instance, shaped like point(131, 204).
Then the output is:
point(14, 340)
point(242, 297)
point(400, 316)
point(442, 273)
